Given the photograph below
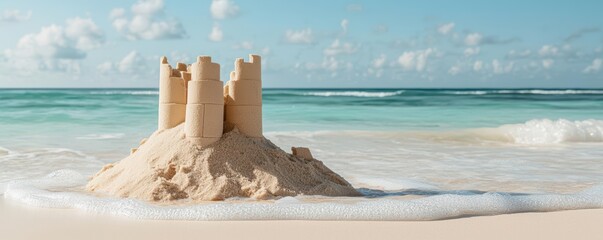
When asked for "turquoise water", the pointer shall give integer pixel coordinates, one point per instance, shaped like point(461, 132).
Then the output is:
point(520, 141)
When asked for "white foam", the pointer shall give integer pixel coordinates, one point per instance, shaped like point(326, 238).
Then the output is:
point(530, 91)
point(470, 92)
point(354, 94)
point(125, 92)
point(546, 131)
point(532, 132)
point(102, 136)
point(392, 183)
point(449, 205)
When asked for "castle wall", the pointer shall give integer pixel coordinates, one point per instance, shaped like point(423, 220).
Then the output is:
point(243, 96)
point(172, 95)
point(205, 103)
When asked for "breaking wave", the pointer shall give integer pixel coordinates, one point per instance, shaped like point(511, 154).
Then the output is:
point(546, 131)
point(532, 132)
point(125, 92)
point(101, 136)
point(532, 92)
point(354, 94)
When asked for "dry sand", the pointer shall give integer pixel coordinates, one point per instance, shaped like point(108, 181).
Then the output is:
point(20, 222)
point(167, 167)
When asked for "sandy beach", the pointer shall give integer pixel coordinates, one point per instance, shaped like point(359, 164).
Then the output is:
point(22, 222)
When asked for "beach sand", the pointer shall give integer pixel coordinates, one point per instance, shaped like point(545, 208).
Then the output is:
point(22, 222)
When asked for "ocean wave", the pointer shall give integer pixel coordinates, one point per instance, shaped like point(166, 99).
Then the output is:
point(354, 94)
point(102, 136)
point(529, 92)
point(532, 132)
point(546, 131)
point(52, 191)
point(37, 162)
point(123, 92)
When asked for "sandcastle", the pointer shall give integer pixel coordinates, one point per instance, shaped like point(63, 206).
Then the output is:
point(194, 95)
point(209, 144)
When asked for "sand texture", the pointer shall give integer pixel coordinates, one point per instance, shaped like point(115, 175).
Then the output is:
point(167, 167)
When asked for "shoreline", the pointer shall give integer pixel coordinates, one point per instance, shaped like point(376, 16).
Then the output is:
point(22, 222)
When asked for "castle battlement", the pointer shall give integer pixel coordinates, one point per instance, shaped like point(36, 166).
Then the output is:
point(251, 70)
point(195, 95)
point(172, 102)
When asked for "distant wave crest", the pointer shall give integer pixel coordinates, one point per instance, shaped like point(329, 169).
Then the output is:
point(354, 94)
point(124, 92)
point(102, 136)
point(532, 91)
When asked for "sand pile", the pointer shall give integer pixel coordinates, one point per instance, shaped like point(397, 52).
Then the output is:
point(167, 167)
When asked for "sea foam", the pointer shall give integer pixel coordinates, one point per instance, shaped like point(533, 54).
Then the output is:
point(546, 131)
point(354, 94)
point(529, 92)
point(444, 206)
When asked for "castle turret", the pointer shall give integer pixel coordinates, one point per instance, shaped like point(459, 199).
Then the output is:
point(205, 103)
point(172, 95)
point(243, 94)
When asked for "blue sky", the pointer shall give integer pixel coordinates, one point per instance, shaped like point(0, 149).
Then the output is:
point(338, 43)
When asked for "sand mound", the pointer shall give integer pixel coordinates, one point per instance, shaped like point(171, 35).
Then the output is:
point(167, 167)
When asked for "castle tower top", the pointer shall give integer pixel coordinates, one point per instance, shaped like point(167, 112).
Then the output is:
point(251, 70)
point(205, 69)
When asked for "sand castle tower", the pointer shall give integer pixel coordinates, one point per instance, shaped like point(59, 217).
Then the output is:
point(243, 94)
point(172, 94)
point(205, 103)
point(195, 95)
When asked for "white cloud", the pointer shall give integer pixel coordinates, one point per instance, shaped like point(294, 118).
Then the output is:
point(14, 16)
point(246, 45)
point(85, 33)
point(337, 48)
point(216, 34)
point(548, 50)
point(148, 22)
point(444, 29)
point(105, 67)
point(223, 9)
point(133, 63)
point(354, 7)
point(303, 36)
point(547, 63)
point(519, 54)
point(377, 65)
point(56, 47)
point(379, 62)
point(594, 67)
point(473, 39)
point(478, 65)
point(344, 25)
point(500, 68)
point(380, 29)
point(415, 60)
point(454, 70)
point(471, 51)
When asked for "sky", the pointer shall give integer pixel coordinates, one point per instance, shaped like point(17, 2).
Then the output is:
point(306, 44)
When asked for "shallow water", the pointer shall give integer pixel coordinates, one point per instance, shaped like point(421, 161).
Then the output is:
point(417, 154)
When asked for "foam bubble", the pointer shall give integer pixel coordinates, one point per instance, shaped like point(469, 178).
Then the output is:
point(447, 205)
